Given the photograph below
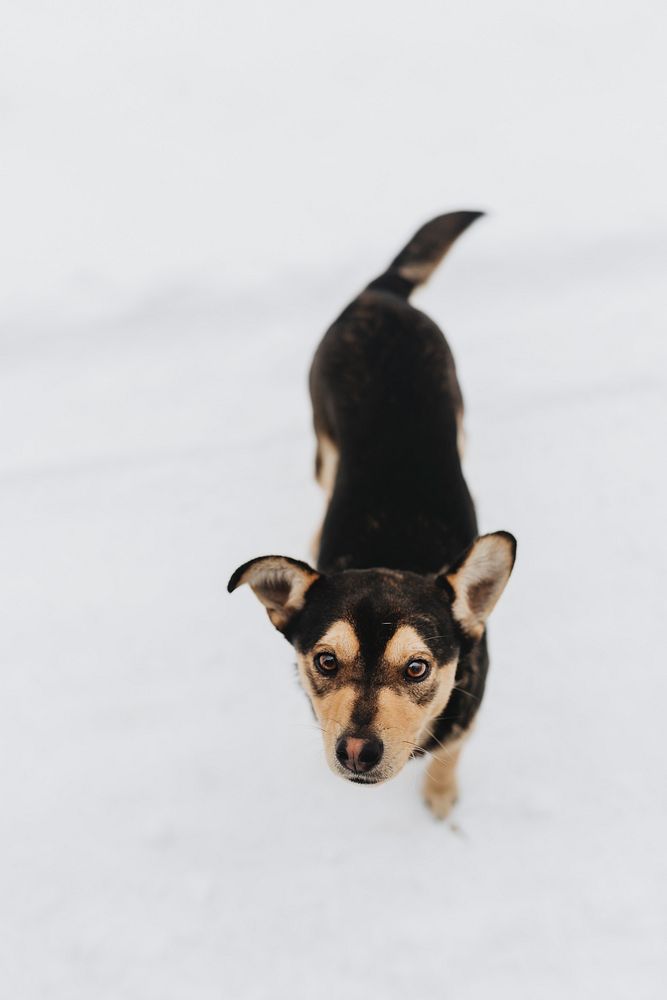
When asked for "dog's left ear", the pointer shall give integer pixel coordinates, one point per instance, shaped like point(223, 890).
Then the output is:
point(279, 582)
point(478, 579)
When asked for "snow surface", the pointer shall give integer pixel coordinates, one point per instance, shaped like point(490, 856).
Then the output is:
point(191, 191)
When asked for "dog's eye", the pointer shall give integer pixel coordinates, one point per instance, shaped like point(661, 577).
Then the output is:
point(326, 663)
point(417, 670)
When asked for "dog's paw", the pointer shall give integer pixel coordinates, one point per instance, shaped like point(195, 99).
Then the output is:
point(440, 799)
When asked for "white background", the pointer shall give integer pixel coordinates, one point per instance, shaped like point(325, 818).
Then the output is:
point(189, 194)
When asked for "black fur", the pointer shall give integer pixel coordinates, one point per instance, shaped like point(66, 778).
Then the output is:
point(384, 390)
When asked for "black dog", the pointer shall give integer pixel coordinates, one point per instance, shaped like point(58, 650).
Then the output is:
point(390, 629)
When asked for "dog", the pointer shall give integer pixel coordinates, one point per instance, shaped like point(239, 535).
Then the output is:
point(390, 627)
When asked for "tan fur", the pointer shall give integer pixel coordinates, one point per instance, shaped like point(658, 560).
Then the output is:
point(440, 784)
point(258, 576)
point(340, 639)
point(403, 725)
point(398, 722)
point(315, 544)
point(398, 713)
point(460, 434)
point(446, 681)
point(480, 581)
point(333, 710)
point(328, 463)
point(326, 477)
point(405, 644)
point(418, 272)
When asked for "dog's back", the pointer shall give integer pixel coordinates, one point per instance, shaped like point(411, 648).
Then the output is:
point(388, 418)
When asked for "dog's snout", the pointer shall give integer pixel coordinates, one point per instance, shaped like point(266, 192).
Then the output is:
point(358, 754)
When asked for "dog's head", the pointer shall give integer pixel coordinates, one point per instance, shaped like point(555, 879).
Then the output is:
point(377, 649)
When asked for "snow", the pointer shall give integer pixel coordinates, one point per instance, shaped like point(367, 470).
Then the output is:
point(191, 192)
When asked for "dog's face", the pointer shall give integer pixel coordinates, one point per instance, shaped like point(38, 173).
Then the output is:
point(377, 653)
point(377, 649)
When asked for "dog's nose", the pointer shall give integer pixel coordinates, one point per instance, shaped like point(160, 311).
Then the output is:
point(358, 754)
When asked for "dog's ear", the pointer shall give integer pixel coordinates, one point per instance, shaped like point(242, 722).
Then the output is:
point(279, 582)
point(478, 578)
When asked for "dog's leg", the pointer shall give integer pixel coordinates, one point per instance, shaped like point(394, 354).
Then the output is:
point(460, 434)
point(326, 467)
point(315, 544)
point(326, 464)
point(440, 785)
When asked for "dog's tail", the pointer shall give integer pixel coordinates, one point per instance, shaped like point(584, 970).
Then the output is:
point(419, 258)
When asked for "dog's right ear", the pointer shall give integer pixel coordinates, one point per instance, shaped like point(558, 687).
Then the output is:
point(478, 578)
point(280, 584)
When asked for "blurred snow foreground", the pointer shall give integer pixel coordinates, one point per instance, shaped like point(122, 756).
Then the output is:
point(191, 199)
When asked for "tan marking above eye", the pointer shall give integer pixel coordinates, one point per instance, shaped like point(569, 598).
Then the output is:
point(341, 640)
point(406, 644)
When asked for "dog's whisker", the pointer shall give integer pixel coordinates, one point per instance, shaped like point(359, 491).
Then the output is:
point(443, 746)
point(336, 722)
point(416, 746)
point(463, 691)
